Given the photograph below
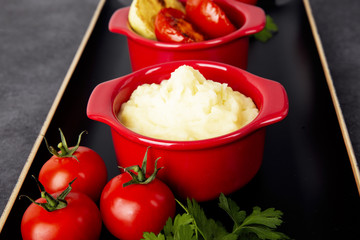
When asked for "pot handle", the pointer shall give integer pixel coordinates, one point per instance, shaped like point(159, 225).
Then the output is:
point(100, 103)
point(275, 102)
point(255, 18)
point(119, 21)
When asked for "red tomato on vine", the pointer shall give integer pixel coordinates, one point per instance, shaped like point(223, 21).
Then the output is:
point(132, 203)
point(66, 215)
point(78, 162)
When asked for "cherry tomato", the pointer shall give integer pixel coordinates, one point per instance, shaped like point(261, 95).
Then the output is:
point(209, 18)
point(131, 204)
point(80, 218)
point(82, 163)
point(171, 26)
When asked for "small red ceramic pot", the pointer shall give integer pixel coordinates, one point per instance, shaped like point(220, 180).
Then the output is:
point(231, 49)
point(253, 2)
point(199, 169)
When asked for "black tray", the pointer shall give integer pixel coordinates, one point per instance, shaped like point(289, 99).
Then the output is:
point(306, 172)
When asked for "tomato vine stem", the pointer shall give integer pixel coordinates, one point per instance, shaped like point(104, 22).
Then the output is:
point(138, 173)
point(51, 203)
point(65, 151)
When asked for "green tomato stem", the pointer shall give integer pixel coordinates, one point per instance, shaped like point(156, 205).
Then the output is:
point(139, 173)
point(51, 204)
point(63, 147)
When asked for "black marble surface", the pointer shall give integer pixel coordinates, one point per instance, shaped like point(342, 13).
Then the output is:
point(39, 38)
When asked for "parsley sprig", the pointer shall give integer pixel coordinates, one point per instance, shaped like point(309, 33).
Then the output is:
point(269, 30)
point(194, 225)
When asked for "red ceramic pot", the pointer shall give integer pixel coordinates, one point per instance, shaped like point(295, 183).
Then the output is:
point(231, 49)
point(253, 2)
point(199, 169)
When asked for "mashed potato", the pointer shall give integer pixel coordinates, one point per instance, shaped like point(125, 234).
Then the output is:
point(186, 107)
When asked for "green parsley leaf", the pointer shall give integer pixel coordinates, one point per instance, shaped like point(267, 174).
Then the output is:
point(268, 31)
point(185, 232)
point(182, 226)
point(260, 232)
point(232, 209)
point(152, 236)
point(194, 224)
point(208, 228)
point(262, 223)
point(270, 217)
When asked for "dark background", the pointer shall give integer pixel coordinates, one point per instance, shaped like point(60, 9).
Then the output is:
point(306, 171)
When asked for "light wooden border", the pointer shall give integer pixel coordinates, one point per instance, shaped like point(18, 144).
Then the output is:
point(345, 133)
point(50, 114)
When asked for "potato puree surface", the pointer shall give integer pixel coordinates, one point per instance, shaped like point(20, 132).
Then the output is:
point(186, 107)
